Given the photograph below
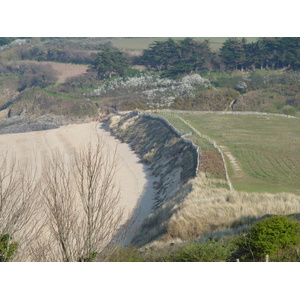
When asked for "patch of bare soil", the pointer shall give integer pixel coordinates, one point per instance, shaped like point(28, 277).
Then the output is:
point(67, 70)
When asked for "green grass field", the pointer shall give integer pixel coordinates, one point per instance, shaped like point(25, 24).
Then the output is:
point(140, 43)
point(262, 152)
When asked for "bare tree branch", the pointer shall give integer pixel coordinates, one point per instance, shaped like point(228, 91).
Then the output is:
point(82, 201)
point(18, 201)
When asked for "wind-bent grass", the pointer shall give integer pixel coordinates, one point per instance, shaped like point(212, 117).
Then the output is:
point(217, 210)
point(200, 209)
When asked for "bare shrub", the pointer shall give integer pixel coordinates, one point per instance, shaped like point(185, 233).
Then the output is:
point(81, 201)
point(32, 74)
point(18, 203)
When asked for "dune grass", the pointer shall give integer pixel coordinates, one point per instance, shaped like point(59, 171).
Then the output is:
point(200, 209)
point(204, 206)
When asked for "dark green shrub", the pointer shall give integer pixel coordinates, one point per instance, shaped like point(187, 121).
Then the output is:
point(7, 248)
point(275, 236)
point(209, 251)
point(124, 254)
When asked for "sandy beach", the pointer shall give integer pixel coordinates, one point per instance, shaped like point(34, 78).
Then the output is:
point(134, 182)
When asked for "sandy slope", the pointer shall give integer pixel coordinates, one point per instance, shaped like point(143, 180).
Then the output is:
point(135, 184)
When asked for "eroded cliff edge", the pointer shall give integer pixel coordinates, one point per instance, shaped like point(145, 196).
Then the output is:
point(172, 159)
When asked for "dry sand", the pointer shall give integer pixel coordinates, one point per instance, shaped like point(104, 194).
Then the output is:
point(135, 184)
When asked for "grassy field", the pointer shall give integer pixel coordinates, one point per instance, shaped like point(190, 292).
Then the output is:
point(140, 43)
point(262, 152)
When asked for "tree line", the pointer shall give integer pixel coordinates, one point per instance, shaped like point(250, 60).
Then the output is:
point(266, 53)
point(173, 58)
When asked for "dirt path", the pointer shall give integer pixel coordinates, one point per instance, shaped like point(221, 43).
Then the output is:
point(234, 163)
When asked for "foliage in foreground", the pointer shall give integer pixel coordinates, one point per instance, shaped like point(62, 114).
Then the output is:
point(7, 248)
point(209, 251)
point(192, 251)
point(277, 236)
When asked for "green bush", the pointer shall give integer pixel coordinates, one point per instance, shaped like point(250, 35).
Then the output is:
point(289, 110)
point(7, 248)
point(209, 251)
point(276, 236)
point(128, 253)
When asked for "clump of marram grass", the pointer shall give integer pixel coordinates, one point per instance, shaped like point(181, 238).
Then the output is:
point(114, 120)
point(127, 123)
point(208, 210)
point(199, 209)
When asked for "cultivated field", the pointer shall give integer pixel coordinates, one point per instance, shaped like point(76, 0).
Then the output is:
point(262, 152)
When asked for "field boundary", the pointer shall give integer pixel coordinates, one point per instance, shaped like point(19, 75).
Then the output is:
point(177, 133)
point(170, 111)
point(216, 146)
point(172, 159)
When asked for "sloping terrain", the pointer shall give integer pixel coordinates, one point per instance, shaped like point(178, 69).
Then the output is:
point(262, 151)
point(200, 206)
point(172, 159)
point(66, 71)
point(32, 149)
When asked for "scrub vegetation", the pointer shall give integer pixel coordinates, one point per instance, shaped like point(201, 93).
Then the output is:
point(196, 216)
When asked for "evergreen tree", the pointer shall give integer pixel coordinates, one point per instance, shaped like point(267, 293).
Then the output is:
point(233, 53)
point(290, 55)
point(174, 58)
point(160, 55)
point(109, 61)
point(7, 247)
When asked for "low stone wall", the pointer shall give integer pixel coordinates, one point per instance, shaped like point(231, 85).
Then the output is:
point(169, 111)
point(176, 132)
point(215, 146)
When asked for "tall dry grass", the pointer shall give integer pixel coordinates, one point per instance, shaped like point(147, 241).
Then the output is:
point(64, 70)
point(201, 209)
point(202, 206)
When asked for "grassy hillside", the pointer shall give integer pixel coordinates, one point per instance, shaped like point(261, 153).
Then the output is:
point(269, 91)
point(262, 152)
